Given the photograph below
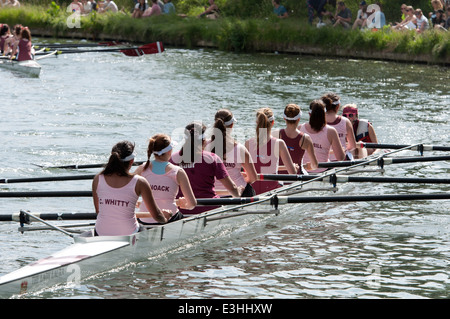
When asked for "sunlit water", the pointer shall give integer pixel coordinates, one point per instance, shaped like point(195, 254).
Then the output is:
point(82, 104)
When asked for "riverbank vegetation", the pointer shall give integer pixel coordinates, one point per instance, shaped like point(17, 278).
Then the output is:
point(245, 26)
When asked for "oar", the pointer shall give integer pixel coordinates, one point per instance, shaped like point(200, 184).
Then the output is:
point(150, 48)
point(47, 194)
point(386, 160)
point(413, 147)
point(16, 217)
point(82, 166)
point(45, 179)
point(358, 179)
point(78, 45)
point(320, 199)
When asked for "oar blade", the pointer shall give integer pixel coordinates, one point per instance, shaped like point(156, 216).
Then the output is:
point(151, 48)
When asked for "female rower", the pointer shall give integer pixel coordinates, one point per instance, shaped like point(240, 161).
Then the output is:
point(342, 125)
point(115, 193)
point(23, 47)
point(363, 130)
point(266, 151)
point(165, 179)
point(296, 142)
point(234, 155)
point(5, 34)
point(324, 137)
point(202, 167)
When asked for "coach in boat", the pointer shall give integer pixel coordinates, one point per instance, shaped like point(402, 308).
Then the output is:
point(203, 168)
point(23, 48)
point(324, 137)
point(115, 193)
point(266, 150)
point(297, 142)
point(233, 154)
point(342, 125)
point(362, 129)
point(165, 180)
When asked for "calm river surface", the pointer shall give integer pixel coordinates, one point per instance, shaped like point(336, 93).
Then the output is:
point(82, 104)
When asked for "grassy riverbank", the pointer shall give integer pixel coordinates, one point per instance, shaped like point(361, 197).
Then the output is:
point(239, 35)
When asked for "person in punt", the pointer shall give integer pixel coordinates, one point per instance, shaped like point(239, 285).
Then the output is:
point(296, 142)
point(363, 130)
point(115, 193)
point(203, 168)
point(266, 150)
point(165, 180)
point(5, 35)
point(233, 154)
point(324, 137)
point(23, 48)
point(342, 125)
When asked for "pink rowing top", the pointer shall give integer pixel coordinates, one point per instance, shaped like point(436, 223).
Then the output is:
point(265, 160)
point(321, 145)
point(116, 215)
point(233, 163)
point(164, 189)
point(340, 125)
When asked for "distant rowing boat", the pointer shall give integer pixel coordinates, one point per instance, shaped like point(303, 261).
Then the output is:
point(29, 67)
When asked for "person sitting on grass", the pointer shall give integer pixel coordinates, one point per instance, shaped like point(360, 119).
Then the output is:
point(343, 17)
point(279, 10)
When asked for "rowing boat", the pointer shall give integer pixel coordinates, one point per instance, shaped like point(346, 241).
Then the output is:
point(91, 255)
point(29, 67)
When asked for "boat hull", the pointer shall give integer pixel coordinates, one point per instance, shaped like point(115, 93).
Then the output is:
point(29, 67)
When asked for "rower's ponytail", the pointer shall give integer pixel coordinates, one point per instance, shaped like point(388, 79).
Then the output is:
point(263, 125)
point(155, 144)
point(222, 116)
point(317, 117)
point(116, 163)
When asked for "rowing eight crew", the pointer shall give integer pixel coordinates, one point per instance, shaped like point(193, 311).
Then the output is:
point(169, 183)
point(17, 45)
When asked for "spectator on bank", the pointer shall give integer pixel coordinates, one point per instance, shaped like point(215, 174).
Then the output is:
point(410, 21)
point(361, 16)
point(211, 12)
point(154, 10)
point(319, 7)
point(421, 21)
point(139, 9)
point(109, 6)
point(279, 10)
point(447, 22)
point(343, 16)
point(169, 8)
point(376, 18)
point(12, 3)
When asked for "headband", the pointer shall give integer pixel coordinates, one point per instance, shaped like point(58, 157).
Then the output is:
point(164, 150)
point(228, 123)
point(271, 119)
point(336, 102)
point(292, 118)
point(128, 158)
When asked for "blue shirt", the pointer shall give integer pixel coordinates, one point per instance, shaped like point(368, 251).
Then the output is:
point(281, 10)
point(169, 8)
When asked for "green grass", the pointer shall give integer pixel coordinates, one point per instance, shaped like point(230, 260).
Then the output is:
point(232, 33)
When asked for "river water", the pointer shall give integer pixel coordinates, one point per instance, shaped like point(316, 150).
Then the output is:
point(82, 104)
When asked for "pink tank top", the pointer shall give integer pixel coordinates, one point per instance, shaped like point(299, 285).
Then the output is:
point(164, 189)
point(233, 163)
point(24, 50)
point(116, 215)
point(340, 125)
point(321, 146)
point(265, 160)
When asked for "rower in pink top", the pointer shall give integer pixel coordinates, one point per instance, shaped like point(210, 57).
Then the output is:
point(266, 150)
point(342, 125)
point(165, 180)
point(203, 168)
point(324, 137)
point(115, 193)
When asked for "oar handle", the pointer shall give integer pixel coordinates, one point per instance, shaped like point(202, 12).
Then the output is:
point(398, 146)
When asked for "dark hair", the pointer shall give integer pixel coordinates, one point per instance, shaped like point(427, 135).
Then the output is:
point(194, 142)
point(26, 34)
point(291, 110)
point(222, 116)
point(4, 30)
point(156, 143)
point(317, 118)
point(330, 98)
point(115, 164)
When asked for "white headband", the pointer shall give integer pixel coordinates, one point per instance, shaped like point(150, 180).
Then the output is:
point(336, 102)
point(128, 158)
point(271, 119)
point(292, 118)
point(164, 150)
point(199, 137)
point(228, 123)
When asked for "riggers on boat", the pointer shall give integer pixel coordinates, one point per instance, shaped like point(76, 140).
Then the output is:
point(91, 255)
